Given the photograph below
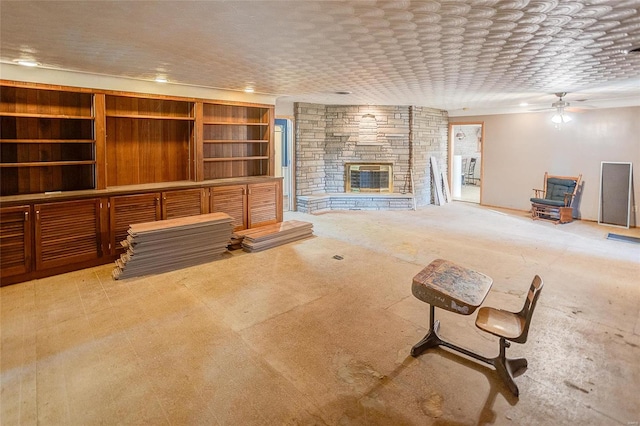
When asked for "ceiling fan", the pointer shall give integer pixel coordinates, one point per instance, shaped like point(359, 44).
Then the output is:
point(560, 103)
point(564, 105)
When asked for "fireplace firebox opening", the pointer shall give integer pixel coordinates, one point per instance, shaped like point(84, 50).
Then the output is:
point(368, 177)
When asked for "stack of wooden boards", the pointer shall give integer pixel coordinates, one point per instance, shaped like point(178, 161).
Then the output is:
point(165, 245)
point(266, 237)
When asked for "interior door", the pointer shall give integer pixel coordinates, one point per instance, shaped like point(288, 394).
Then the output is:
point(283, 154)
point(466, 162)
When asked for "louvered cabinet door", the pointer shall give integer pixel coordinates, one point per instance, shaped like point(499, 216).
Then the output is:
point(67, 232)
point(15, 240)
point(264, 203)
point(186, 202)
point(231, 200)
point(129, 209)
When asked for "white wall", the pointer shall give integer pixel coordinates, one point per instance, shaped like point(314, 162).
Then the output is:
point(284, 107)
point(519, 148)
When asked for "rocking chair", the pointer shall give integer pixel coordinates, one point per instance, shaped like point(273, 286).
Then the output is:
point(555, 201)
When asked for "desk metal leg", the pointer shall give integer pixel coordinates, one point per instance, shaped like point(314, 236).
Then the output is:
point(431, 339)
point(506, 368)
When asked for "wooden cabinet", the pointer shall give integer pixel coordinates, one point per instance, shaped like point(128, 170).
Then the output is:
point(67, 232)
point(251, 205)
point(231, 200)
point(237, 140)
point(148, 140)
point(127, 210)
point(15, 240)
point(264, 203)
point(184, 202)
point(47, 140)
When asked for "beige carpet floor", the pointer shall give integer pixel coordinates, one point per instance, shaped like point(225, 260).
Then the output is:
point(293, 335)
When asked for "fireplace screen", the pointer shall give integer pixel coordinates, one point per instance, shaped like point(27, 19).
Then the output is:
point(369, 177)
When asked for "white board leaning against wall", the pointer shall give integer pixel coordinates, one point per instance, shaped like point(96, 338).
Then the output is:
point(616, 192)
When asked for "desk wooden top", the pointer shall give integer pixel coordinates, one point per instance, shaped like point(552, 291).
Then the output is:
point(451, 287)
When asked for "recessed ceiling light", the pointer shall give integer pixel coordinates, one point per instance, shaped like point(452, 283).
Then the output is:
point(249, 90)
point(26, 63)
point(524, 104)
point(161, 79)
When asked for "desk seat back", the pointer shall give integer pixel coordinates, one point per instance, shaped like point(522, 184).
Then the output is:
point(529, 306)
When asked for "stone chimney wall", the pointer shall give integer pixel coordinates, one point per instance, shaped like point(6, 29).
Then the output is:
point(343, 144)
point(430, 139)
point(328, 136)
point(311, 122)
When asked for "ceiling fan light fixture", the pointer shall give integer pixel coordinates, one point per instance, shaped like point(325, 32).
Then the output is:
point(560, 117)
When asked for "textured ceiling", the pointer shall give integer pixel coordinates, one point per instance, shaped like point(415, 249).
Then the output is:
point(454, 55)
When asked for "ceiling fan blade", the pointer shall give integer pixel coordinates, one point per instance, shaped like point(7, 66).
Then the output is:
point(579, 109)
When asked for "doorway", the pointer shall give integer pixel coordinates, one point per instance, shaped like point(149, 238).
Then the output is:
point(465, 154)
point(283, 153)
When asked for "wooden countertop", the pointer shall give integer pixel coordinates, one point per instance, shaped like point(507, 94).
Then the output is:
point(14, 200)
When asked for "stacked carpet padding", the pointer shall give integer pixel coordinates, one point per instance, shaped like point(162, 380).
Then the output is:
point(266, 237)
point(166, 245)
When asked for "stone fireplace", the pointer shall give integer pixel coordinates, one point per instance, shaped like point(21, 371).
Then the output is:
point(364, 157)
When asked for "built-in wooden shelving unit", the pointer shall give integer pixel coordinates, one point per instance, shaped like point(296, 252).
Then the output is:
point(47, 140)
point(148, 140)
point(78, 166)
point(236, 140)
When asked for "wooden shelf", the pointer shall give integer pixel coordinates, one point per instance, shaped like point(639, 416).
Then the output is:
point(262, 157)
point(150, 117)
point(141, 108)
point(231, 123)
point(55, 116)
point(235, 141)
point(47, 140)
point(48, 163)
